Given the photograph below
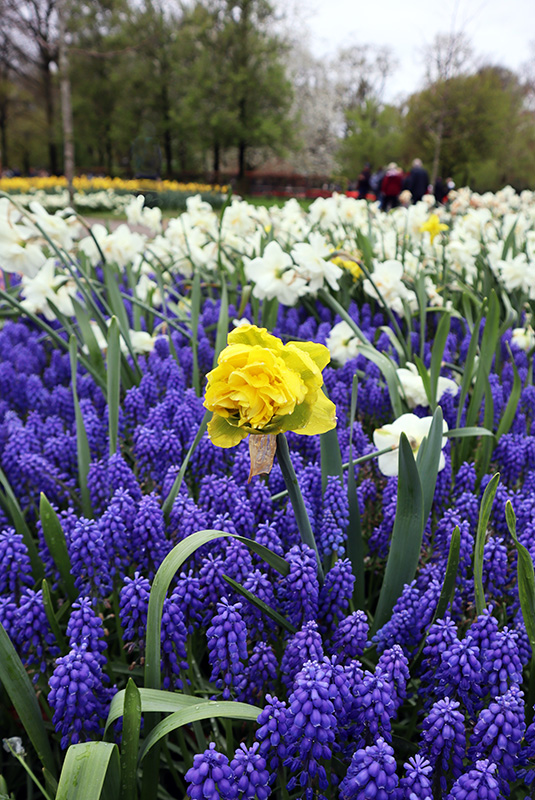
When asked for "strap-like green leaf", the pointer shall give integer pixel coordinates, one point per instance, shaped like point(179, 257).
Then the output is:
point(162, 580)
point(526, 578)
point(57, 544)
point(331, 458)
point(195, 312)
point(355, 544)
point(222, 322)
point(153, 701)
point(296, 498)
point(82, 443)
point(484, 516)
point(21, 692)
point(512, 404)
point(526, 594)
point(130, 741)
point(428, 462)
point(206, 709)
point(113, 383)
point(437, 352)
point(263, 607)
point(10, 505)
point(90, 771)
point(406, 537)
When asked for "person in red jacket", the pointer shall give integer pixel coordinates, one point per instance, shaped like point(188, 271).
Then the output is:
point(391, 186)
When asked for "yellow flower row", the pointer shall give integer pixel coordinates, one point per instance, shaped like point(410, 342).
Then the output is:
point(83, 183)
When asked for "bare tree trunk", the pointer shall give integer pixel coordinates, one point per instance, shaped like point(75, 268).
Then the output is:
point(66, 106)
point(49, 110)
point(436, 156)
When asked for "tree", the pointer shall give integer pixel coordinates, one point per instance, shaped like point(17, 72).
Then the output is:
point(239, 89)
point(486, 133)
point(32, 26)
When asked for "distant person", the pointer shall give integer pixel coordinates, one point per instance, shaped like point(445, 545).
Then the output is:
point(363, 183)
point(391, 186)
point(450, 185)
point(417, 180)
point(375, 182)
point(439, 190)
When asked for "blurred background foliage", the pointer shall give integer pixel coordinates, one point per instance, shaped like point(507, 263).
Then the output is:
point(211, 89)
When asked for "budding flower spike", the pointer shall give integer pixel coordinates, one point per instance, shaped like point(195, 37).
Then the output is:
point(261, 386)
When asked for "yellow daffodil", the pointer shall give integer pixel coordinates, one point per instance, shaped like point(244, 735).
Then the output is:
point(262, 386)
point(350, 264)
point(433, 227)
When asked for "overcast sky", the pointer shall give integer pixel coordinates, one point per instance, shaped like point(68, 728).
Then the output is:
point(500, 30)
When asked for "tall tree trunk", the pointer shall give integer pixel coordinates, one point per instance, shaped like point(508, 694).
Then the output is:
point(66, 106)
point(217, 162)
point(49, 111)
point(438, 145)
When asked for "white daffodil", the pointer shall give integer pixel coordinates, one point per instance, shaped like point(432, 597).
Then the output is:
point(342, 343)
point(523, 338)
point(47, 286)
point(312, 265)
point(387, 277)
point(415, 428)
point(274, 276)
point(134, 210)
point(53, 225)
point(413, 386)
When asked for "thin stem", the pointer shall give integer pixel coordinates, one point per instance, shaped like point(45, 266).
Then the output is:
point(296, 498)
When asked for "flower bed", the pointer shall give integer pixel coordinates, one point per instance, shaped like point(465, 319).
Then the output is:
point(112, 195)
point(267, 501)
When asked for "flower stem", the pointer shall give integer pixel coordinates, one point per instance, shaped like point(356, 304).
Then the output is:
point(296, 498)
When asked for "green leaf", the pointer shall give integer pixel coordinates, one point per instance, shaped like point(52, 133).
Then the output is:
point(11, 507)
point(51, 617)
point(466, 433)
point(426, 380)
point(57, 544)
point(469, 363)
point(152, 701)
point(119, 310)
point(526, 594)
point(385, 364)
point(263, 607)
point(484, 516)
point(21, 692)
point(130, 741)
point(296, 498)
point(526, 577)
point(437, 353)
point(82, 443)
point(452, 567)
point(222, 322)
point(355, 544)
point(512, 404)
point(428, 461)
point(407, 535)
point(90, 771)
point(113, 383)
point(331, 457)
point(448, 588)
point(195, 312)
point(162, 580)
point(205, 709)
